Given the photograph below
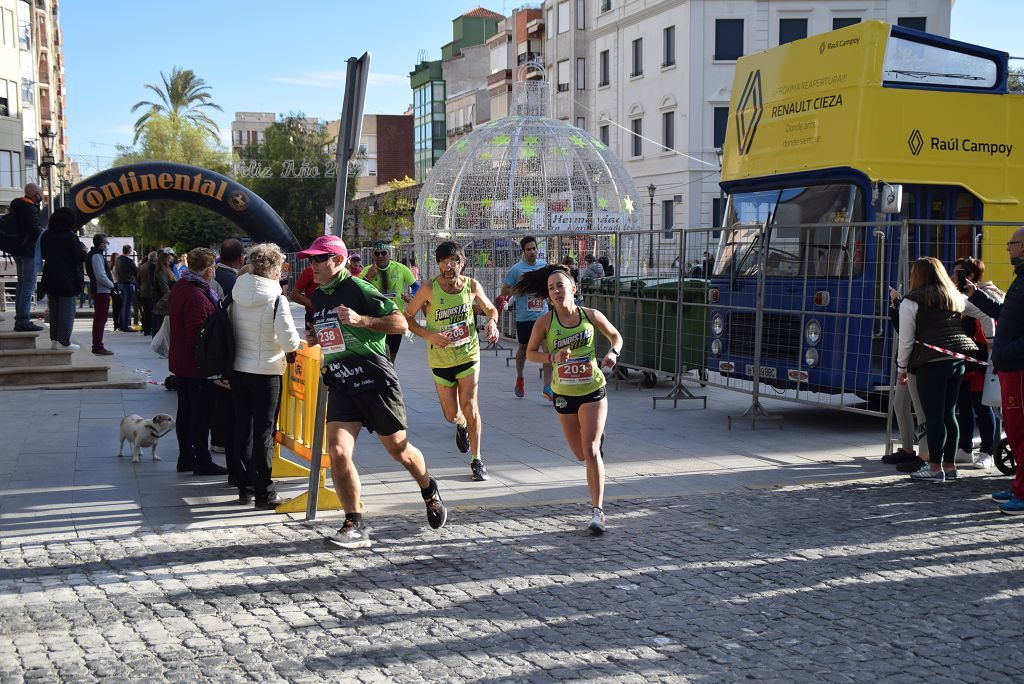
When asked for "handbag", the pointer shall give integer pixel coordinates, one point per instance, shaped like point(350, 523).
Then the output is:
point(990, 393)
point(161, 343)
point(160, 308)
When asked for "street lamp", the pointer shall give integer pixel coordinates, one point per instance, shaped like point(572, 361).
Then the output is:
point(650, 251)
point(47, 163)
point(721, 192)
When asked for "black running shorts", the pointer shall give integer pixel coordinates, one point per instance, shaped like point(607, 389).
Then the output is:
point(566, 404)
point(523, 331)
point(393, 342)
point(380, 412)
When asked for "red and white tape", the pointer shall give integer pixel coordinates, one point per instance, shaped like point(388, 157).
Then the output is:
point(955, 355)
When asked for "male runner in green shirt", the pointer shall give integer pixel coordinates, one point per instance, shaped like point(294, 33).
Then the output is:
point(349, 321)
point(394, 281)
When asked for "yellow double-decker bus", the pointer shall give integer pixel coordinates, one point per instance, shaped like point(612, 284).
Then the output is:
point(833, 141)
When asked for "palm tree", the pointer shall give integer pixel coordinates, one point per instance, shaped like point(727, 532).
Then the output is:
point(183, 96)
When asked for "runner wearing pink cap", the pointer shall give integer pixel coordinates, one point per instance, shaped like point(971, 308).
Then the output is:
point(349, 321)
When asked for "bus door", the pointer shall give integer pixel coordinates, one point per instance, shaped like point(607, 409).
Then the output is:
point(947, 243)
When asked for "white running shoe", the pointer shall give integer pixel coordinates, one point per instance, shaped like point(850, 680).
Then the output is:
point(71, 346)
point(983, 461)
point(962, 456)
point(597, 522)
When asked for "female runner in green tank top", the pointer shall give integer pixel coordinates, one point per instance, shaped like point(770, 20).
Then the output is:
point(568, 332)
point(453, 349)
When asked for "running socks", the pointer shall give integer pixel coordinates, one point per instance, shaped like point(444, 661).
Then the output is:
point(475, 458)
point(429, 491)
point(356, 518)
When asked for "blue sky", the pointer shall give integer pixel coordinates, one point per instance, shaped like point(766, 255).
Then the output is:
point(262, 55)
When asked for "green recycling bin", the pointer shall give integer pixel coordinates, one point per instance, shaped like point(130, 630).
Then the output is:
point(662, 301)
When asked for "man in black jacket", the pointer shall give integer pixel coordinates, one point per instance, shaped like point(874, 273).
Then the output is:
point(126, 274)
point(26, 211)
point(1008, 359)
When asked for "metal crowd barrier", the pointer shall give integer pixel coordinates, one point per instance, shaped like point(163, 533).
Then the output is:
point(797, 313)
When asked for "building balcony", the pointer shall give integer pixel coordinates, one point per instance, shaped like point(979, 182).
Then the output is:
point(499, 77)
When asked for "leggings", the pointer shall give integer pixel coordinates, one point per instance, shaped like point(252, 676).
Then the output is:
point(938, 384)
point(971, 411)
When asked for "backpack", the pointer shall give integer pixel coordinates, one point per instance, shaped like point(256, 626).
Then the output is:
point(215, 343)
point(12, 242)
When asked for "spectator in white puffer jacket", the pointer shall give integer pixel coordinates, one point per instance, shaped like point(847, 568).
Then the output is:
point(264, 333)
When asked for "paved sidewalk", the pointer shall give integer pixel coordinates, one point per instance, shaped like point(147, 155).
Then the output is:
point(787, 555)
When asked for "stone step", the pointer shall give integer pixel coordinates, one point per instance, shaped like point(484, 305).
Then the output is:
point(46, 375)
point(25, 358)
point(106, 384)
point(12, 339)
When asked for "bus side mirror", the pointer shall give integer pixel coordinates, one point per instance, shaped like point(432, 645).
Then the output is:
point(888, 198)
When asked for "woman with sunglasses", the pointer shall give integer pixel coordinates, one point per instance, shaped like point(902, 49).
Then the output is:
point(567, 335)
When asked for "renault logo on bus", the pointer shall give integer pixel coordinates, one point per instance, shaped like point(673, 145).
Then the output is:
point(916, 142)
point(748, 111)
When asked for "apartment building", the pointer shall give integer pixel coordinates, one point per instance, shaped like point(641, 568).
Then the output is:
point(385, 150)
point(33, 141)
point(450, 95)
point(653, 78)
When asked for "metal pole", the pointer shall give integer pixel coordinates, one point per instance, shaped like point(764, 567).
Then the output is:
point(316, 448)
point(650, 245)
point(348, 132)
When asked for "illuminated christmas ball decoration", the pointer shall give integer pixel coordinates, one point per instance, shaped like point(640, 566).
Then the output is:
point(528, 173)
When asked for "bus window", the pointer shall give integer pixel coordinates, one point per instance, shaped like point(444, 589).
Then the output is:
point(908, 62)
point(793, 249)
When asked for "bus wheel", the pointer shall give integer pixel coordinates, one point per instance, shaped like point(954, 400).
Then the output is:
point(702, 374)
point(650, 379)
point(1004, 458)
point(620, 372)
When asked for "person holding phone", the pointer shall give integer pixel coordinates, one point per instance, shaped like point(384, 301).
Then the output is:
point(931, 335)
point(904, 458)
point(971, 411)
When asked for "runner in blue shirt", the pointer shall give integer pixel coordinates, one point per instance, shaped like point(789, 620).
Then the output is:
point(528, 309)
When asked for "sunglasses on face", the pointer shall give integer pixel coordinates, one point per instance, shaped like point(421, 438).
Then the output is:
point(318, 258)
point(382, 253)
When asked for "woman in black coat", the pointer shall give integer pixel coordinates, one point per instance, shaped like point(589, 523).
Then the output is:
point(63, 275)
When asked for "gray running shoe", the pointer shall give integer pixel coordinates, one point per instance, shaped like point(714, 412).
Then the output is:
point(349, 537)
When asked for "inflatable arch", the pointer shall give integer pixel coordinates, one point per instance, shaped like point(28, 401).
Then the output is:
point(122, 185)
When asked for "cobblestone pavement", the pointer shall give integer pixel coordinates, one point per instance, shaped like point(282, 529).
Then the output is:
point(875, 580)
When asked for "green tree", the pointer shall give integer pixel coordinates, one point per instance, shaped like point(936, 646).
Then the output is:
point(300, 185)
point(394, 214)
point(173, 134)
point(1015, 79)
point(183, 96)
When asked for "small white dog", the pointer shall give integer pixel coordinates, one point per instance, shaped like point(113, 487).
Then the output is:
point(141, 432)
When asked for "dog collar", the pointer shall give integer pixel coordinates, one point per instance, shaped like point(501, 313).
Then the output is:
point(161, 434)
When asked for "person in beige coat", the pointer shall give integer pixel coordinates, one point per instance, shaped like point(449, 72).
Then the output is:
point(264, 333)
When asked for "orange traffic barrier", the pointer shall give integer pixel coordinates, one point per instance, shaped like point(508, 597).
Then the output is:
point(295, 423)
